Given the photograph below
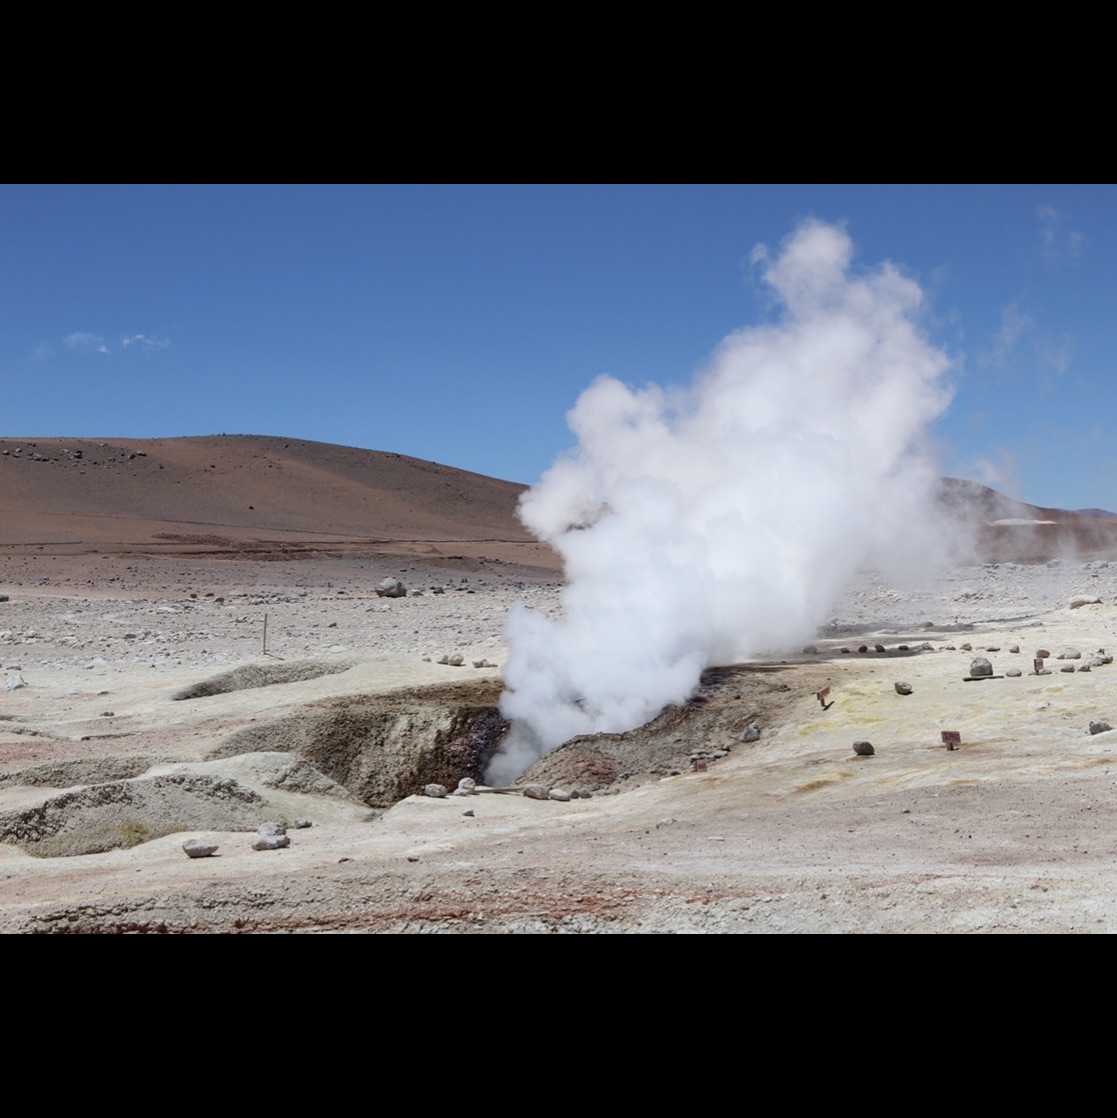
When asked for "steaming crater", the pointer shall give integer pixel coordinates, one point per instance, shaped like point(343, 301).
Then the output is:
point(703, 526)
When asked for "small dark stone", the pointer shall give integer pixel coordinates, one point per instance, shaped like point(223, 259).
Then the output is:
point(863, 748)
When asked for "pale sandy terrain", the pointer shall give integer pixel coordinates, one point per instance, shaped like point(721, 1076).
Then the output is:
point(1016, 830)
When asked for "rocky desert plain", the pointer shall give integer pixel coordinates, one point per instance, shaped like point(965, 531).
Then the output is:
point(193, 646)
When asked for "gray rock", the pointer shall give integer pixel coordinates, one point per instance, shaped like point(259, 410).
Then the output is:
point(1014, 648)
point(558, 794)
point(455, 661)
point(1067, 668)
point(863, 748)
point(391, 588)
point(435, 791)
point(467, 786)
point(1083, 667)
point(751, 732)
point(1099, 727)
point(1013, 672)
point(879, 648)
point(902, 688)
point(195, 848)
point(271, 836)
point(1078, 603)
point(979, 666)
point(967, 647)
point(302, 824)
point(534, 791)
point(1070, 654)
point(810, 650)
point(13, 683)
point(1043, 654)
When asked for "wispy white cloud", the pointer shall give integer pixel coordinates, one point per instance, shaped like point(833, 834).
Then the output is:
point(146, 342)
point(998, 471)
point(1058, 245)
point(80, 339)
point(1015, 324)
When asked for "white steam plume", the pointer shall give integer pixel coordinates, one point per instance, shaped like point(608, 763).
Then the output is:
point(719, 522)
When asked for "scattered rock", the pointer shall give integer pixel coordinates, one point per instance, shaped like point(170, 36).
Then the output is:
point(1099, 727)
point(863, 748)
point(467, 786)
point(196, 848)
point(534, 791)
point(1014, 648)
point(1043, 654)
point(469, 813)
point(979, 666)
point(751, 732)
point(558, 794)
point(13, 683)
point(1069, 654)
point(302, 824)
point(862, 648)
point(1078, 603)
point(810, 650)
point(271, 836)
point(435, 791)
point(879, 648)
point(1067, 668)
point(902, 688)
point(391, 588)
point(1013, 672)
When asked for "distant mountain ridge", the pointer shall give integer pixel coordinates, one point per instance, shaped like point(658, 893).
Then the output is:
point(248, 495)
point(273, 497)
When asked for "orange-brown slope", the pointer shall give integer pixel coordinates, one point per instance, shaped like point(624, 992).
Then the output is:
point(1004, 529)
point(241, 490)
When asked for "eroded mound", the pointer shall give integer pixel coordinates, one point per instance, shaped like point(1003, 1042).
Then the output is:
point(382, 748)
point(260, 675)
point(128, 812)
point(68, 774)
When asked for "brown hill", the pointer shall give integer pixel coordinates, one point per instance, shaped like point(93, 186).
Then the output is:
point(1003, 529)
point(265, 497)
point(245, 495)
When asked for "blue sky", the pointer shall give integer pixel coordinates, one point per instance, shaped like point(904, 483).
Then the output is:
point(460, 323)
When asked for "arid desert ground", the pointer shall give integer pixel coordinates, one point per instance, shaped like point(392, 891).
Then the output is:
point(146, 706)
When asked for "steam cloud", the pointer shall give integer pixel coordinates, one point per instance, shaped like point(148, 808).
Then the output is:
point(707, 525)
